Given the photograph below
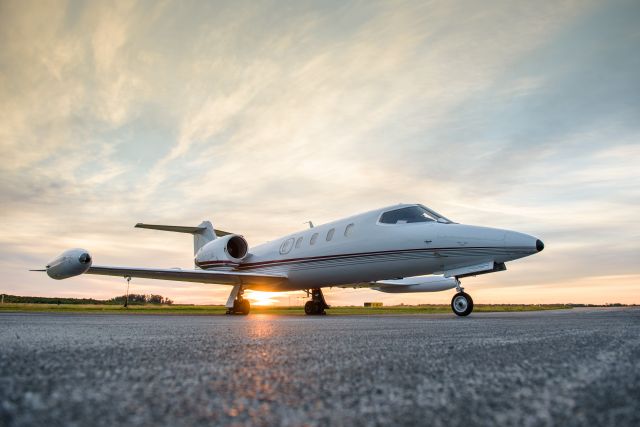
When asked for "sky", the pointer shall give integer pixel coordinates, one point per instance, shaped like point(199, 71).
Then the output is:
point(261, 115)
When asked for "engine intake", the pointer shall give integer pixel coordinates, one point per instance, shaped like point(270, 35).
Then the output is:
point(71, 263)
point(227, 251)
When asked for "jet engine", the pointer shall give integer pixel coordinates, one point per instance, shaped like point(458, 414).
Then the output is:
point(416, 284)
point(227, 251)
point(71, 263)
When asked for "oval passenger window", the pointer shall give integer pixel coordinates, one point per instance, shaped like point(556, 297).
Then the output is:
point(348, 230)
point(286, 246)
point(330, 234)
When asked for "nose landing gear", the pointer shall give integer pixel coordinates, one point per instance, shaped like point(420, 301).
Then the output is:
point(317, 304)
point(461, 303)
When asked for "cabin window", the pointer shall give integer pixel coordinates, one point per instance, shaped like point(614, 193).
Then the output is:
point(348, 231)
point(299, 242)
point(406, 215)
point(286, 246)
point(313, 239)
point(330, 234)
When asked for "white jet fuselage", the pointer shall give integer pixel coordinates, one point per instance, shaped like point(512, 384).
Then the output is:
point(362, 249)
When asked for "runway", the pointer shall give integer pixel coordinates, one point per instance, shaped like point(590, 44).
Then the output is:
point(570, 367)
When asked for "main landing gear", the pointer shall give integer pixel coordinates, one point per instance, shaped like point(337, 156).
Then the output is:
point(236, 304)
point(461, 303)
point(317, 304)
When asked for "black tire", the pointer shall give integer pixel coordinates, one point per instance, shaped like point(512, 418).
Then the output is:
point(462, 304)
point(244, 307)
point(309, 308)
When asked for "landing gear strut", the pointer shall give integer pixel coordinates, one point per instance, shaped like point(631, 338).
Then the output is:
point(317, 304)
point(236, 304)
point(461, 303)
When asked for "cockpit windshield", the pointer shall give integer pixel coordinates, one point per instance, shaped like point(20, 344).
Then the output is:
point(411, 214)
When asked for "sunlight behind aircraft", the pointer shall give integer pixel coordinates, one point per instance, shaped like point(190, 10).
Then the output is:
point(261, 298)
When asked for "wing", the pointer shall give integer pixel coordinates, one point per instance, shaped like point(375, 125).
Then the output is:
point(409, 284)
point(200, 276)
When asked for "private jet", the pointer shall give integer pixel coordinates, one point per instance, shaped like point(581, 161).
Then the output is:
point(397, 249)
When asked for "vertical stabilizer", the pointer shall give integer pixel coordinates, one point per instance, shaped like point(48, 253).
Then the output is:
point(204, 236)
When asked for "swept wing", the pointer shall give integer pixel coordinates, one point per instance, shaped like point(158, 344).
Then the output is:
point(199, 276)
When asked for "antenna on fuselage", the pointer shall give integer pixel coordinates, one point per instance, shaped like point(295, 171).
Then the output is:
point(310, 223)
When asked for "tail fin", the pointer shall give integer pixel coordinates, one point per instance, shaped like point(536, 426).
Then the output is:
point(202, 234)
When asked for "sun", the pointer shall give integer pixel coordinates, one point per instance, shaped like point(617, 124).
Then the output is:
point(261, 298)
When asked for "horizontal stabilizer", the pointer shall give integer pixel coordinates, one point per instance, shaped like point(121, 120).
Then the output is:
point(174, 228)
point(181, 229)
point(202, 234)
point(221, 233)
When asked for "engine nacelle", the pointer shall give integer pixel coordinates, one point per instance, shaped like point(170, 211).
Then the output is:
point(227, 251)
point(416, 284)
point(71, 263)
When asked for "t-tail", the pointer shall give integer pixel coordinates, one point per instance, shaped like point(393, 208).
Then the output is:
point(202, 234)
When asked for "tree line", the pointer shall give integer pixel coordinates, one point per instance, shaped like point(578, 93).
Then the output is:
point(134, 299)
point(141, 299)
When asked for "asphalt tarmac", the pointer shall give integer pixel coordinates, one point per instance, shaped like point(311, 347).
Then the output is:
point(570, 367)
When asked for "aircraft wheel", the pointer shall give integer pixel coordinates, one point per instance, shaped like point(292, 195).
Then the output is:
point(310, 308)
point(244, 307)
point(462, 304)
point(313, 308)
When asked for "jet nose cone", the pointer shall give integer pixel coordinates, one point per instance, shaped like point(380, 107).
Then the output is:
point(521, 242)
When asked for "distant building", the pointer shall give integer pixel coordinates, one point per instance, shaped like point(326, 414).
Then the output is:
point(373, 304)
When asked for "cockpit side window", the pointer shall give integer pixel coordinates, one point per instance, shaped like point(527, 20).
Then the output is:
point(406, 215)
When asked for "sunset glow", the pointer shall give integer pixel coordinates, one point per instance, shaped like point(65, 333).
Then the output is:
point(261, 298)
